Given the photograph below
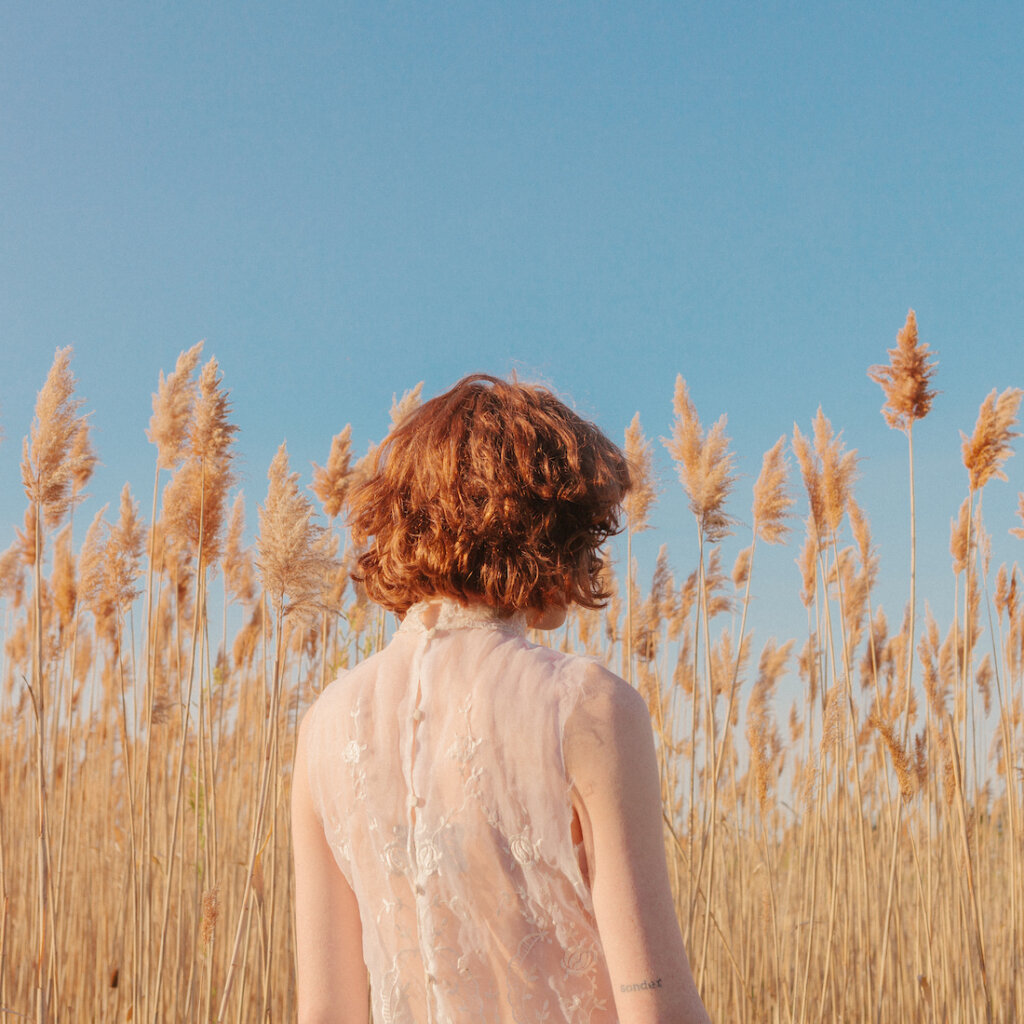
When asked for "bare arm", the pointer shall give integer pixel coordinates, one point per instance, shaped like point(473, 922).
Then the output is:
point(610, 755)
point(330, 973)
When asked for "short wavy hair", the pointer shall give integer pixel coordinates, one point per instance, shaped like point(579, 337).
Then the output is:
point(494, 491)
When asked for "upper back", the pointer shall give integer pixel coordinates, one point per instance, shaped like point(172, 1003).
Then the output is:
point(437, 767)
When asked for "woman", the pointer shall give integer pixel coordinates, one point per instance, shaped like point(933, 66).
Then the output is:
point(476, 819)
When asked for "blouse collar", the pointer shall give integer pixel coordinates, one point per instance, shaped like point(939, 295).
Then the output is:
point(446, 613)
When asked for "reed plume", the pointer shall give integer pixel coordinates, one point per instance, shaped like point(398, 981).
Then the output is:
point(1018, 531)
point(65, 585)
point(637, 505)
point(772, 500)
point(407, 404)
point(48, 465)
point(292, 558)
point(761, 729)
point(642, 494)
point(985, 451)
point(906, 380)
point(902, 762)
point(83, 459)
point(237, 564)
point(705, 465)
point(331, 482)
point(172, 409)
point(195, 498)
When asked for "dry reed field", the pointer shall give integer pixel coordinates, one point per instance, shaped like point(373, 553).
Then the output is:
point(860, 861)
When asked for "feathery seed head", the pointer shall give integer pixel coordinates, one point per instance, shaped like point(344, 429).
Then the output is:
point(985, 451)
point(1018, 531)
point(172, 409)
point(772, 500)
point(292, 555)
point(48, 466)
point(211, 434)
point(642, 494)
point(705, 465)
point(905, 381)
point(409, 403)
point(331, 482)
point(83, 458)
point(237, 565)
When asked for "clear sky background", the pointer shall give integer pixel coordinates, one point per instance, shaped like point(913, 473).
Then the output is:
point(345, 199)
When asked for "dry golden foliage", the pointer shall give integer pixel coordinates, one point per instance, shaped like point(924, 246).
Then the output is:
point(110, 565)
point(807, 562)
point(741, 567)
point(727, 664)
point(655, 608)
point(237, 564)
point(27, 537)
point(211, 909)
point(761, 729)
point(906, 380)
point(862, 537)
point(331, 482)
point(832, 718)
point(901, 760)
point(194, 500)
point(65, 586)
point(828, 473)
point(193, 509)
point(705, 465)
point(292, 557)
point(985, 451)
point(409, 403)
point(12, 576)
point(211, 434)
point(772, 500)
point(807, 666)
point(682, 607)
point(983, 681)
point(172, 409)
point(873, 662)
point(958, 530)
point(1018, 531)
point(1002, 589)
point(48, 465)
point(83, 459)
point(642, 494)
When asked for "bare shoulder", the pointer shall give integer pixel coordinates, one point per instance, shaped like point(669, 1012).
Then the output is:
point(609, 727)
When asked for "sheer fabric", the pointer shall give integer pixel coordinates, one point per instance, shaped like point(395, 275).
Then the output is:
point(436, 767)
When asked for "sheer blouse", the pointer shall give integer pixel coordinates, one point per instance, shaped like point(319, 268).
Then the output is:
point(437, 769)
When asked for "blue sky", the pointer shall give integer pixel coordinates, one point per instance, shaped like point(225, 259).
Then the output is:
point(346, 199)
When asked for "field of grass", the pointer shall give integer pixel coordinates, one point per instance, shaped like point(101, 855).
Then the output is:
point(859, 861)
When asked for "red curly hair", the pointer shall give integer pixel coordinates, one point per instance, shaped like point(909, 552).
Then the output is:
point(494, 491)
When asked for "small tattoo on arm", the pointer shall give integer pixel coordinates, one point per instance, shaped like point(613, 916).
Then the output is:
point(639, 986)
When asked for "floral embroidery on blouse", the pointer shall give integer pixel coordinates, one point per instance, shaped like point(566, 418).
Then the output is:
point(437, 768)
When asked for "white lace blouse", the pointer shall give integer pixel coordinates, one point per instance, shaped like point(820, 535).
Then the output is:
point(436, 767)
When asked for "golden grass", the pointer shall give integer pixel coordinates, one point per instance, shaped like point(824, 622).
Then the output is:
point(861, 862)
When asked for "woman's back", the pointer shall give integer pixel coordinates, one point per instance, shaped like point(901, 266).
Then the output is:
point(437, 768)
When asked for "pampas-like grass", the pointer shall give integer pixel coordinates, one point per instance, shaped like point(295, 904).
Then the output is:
point(172, 409)
point(331, 482)
point(985, 451)
point(239, 579)
point(705, 464)
point(642, 495)
point(292, 558)
point(906, 381)
point(1018, 531)
point(808, 886)
point(773, 502)
point(49, 465)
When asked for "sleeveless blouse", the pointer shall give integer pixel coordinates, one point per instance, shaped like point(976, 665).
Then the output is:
point(436, 767)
